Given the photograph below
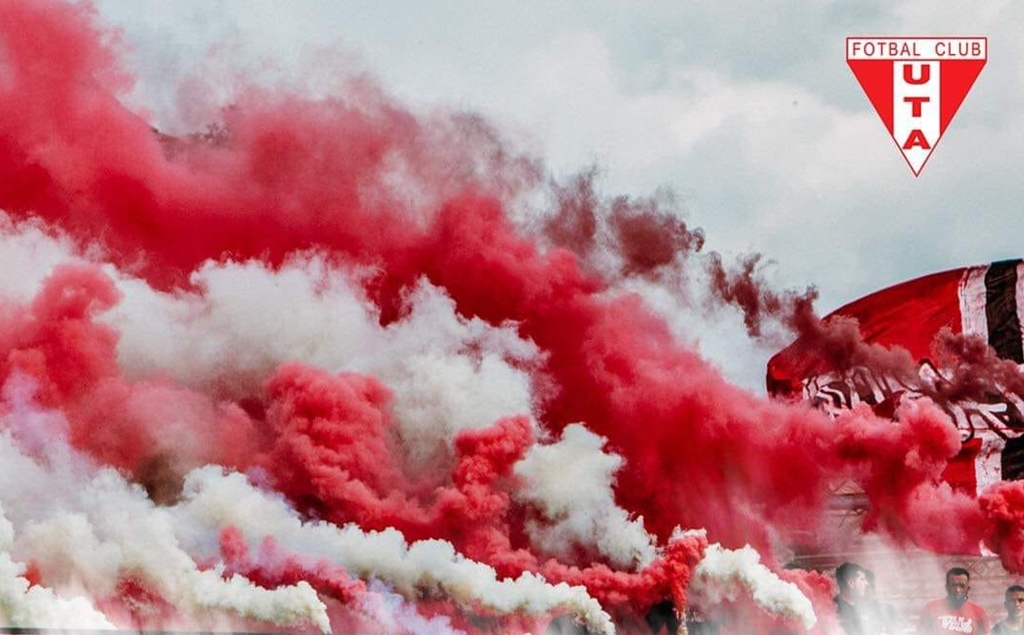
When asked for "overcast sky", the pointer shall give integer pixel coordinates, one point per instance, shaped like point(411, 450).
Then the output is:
point(746, 110)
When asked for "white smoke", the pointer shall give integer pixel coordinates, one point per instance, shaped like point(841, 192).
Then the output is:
point(28, 253)
point(570, 482)
point(86, 528)
point(213, 499)
point(732, 574)
point(35, 606)
point(448, 373)
point(395, 615)
point(42, 473)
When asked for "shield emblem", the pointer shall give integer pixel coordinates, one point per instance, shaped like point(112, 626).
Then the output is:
point(916, 85)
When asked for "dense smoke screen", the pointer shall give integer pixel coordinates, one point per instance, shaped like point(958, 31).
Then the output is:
point(335, 365)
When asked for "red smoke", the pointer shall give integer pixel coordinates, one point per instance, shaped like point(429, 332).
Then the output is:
point(290, 174)
point(1003, 507)
point(646, 234)
point(331, 447)
point(899, 464)
point(135, 605)
point(55, 340)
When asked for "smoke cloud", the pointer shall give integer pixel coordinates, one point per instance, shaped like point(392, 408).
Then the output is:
point(337, 365)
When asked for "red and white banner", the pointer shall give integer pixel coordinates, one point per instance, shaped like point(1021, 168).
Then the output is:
point(985, 302)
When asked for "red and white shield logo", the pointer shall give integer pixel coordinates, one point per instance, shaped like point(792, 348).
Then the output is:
point(916, 84)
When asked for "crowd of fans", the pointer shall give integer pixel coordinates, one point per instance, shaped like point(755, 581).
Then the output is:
point(861, 613)
point(858, 610)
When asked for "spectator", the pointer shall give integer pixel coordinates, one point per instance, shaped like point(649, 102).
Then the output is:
point(954, 613)
point(850, 602)
point(1014, 604)
point(662, 617)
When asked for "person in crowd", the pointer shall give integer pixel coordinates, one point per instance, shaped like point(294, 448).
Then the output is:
point(663, 618)
point(955, 613)
point(851, 600)
point(1014, 605)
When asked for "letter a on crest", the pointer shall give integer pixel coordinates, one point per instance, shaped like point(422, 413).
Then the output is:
point(916, 85)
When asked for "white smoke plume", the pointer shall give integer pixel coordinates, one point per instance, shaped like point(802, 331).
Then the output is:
point(35, 606)
point(733, 574)
point(447, 373)
point(28, 253)
point(394, 614)
point(214, 499)
point(570, 482)
point(243, 319)
point(86, 527)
